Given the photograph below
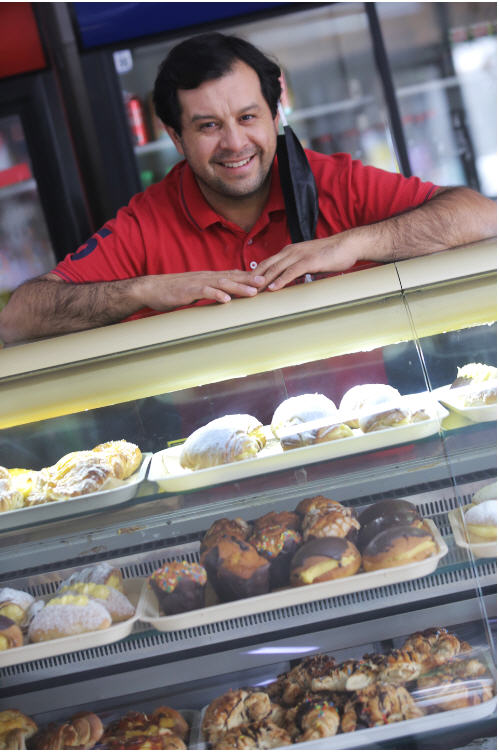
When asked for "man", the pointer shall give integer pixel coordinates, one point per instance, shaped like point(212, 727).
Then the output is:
point(215, 227)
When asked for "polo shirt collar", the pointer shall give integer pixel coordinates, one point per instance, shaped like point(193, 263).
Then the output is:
point(200, 213)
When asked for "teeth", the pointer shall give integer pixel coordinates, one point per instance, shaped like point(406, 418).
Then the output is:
point(236, 164)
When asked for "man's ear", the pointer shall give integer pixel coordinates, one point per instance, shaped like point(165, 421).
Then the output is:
point(175, 138)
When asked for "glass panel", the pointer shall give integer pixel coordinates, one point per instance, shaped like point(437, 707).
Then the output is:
point(333, 98)
point(25, 247)
point(443, 58)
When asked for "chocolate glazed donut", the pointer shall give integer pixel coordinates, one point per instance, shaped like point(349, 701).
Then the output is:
point(323, 559)
point(397, 546)
point(383, 515)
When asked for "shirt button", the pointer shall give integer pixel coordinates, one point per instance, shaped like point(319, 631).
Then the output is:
point(250, 241)
point(253, 264)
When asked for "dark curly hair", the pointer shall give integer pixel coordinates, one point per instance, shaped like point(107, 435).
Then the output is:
point(203, 58)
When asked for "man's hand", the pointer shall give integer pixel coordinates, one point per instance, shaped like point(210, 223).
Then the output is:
point(335, 254)
point(163, 292)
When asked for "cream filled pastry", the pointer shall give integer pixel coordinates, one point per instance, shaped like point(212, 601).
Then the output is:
point(481, 520)
point(227, 439)
point(363, 398)
point(301, 409)
point(474, 373)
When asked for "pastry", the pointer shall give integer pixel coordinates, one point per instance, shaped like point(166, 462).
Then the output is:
point(479, 397)
point(10, 497)
point(389, 418)
point(363, 398)
point(316, 717)
point(481, 520)
point(165, 728)
point(22, 479)
point(455, 685)
point(485, 493)
point(101, 574)
point(67, 615)
point(377, 705)
point(475, 373)
point(290, 520)
point(385, 514)
point(337, 523)
point(237, 527)
point(75, 474)
point(15, 729)
point(236, 570)
point(179, 586)
point(323, 559)
point(230, 438)
point(294, 685)
point(277, 544)
point(396, 546)
point(434, 647)
point(118, 605)
point(301, 409)
point(11, 635)
point(319, 435)
point(15, 604)
point(317, 505)
point(123, 456)
point(261, 735)
point(170, 719)
point(82, 731)
point(232, 709)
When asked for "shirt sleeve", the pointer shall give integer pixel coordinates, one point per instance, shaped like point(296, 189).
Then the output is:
point(116, 251)
point(376, 194)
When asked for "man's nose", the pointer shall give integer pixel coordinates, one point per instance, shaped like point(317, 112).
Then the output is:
point(233, 137)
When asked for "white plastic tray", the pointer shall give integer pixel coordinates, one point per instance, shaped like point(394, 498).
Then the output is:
point(123, 491)
point(167, 472)
point(453, 399)
point(148, 610)
point(37, 650)
point(479, 548)
point(366, 738)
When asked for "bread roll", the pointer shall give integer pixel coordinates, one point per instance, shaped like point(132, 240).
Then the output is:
point(230, 438)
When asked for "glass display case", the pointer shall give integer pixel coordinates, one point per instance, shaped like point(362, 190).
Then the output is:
point(153, 383)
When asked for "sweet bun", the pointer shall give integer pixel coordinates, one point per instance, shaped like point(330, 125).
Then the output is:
point(118, 605)
point(301, 409)
point(15, 729)
point(289, 520)
point(15, 604)
point(384, 514)
point(11, 635)
point(230, 438)
point(236, 570)
point(324, 559)
point(260, 735)
point(232, 709)
point(82, 731)
point(10, 497)
point(237, 527)
point(179, 586)
point(481, 520)
point(68, 615)
point(397, 546)
point(123, 456)
point(102, 573)
point(473, 373)
point(389, 418)
point(277, 544)
point(317, 505)
point(364, 397)
point(337, 523)
point(169, 718)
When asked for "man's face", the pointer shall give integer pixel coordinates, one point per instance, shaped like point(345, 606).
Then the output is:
point(228, 134)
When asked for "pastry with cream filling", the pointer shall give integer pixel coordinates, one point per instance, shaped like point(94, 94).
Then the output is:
point(236, 569)
point(474, 373)
point(68, 615)
point(397, 546)
point(364, 398)
point(102, 573)
point(230, 438)
point(323, 559)
point(295, 411)
point(15, 604)
point(481, 520)
point(11, 635)
point(118, 605)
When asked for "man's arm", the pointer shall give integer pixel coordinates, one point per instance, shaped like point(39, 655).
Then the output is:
point(47, 306)
point(452, 217)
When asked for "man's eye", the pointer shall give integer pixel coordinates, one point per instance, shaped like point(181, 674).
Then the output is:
point(247, 117)
point(208, 125)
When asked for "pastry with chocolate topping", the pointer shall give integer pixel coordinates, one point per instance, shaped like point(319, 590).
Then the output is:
point(323, 559)
point(237, 527)
point(297, 682)
point(232, 709)
point(236, 569)
point(377, 705)
point(179, 586)
point(384, 514)
point(277, 544)
point(260, 735)
point(316, 717)
point(397, 546)
point(317, 505)
point(389, 418)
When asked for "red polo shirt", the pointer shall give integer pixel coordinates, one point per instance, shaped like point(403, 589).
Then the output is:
point(170, 228)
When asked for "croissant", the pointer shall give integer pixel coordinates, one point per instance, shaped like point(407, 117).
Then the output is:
point(83, 731)
point(15, 728)
point(227, 439)
point(234, 708)
point(123, 456)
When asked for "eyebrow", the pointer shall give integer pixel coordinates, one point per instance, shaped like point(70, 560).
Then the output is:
point(253, 106)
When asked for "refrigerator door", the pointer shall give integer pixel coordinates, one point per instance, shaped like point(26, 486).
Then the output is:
point(25, 247)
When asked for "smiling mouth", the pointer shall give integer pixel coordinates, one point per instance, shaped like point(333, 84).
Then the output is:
point(234, 165)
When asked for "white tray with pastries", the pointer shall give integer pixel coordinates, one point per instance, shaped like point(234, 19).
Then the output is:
point(473, 393)
point(334, 438)
point(484, 522)
point(89, 607)
point(38, 502)
point(148, 609)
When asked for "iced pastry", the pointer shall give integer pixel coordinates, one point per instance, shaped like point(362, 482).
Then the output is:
point(475, 373)
point(301, 409)
point(118, 605)
point(68, 615)
point(230, 438)
point(323, 559)
point(232, 709)
point(482, 396)
point(364, 398)
point(384, 514)
point(102, 573)
point(397, 546)
point(277, 544)
point(236, 527)
point(123, 456)
point(481, 520)
point(179, 586)
point(236, 569)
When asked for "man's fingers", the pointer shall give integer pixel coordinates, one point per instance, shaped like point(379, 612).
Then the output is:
point(287, 276)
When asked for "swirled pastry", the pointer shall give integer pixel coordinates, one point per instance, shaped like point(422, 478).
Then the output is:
point(364, 398)
point(82, 731)
point(10, 497)
point(227, 439)
point(232, 709)
point(123, 456)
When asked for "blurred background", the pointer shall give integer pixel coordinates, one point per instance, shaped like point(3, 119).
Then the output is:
point(409, 87)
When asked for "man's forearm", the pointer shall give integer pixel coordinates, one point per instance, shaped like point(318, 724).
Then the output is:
point(455, 216)
point(44, 307)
